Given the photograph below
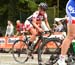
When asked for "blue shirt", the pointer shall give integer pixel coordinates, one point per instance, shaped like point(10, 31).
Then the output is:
point(70, 8)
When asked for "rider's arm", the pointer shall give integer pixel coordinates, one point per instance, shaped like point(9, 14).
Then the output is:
point(34, 24)
point(46, 21)
point(47, 24)
point(35, 14)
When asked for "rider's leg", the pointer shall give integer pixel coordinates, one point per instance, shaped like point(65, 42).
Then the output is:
point(33, 35)
point(66, 43)
point(70, 35)
point(29, 27)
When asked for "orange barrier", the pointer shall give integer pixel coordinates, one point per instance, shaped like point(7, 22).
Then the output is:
point(7, 42)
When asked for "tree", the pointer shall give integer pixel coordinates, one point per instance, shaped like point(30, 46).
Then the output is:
point(62, 4)
point(12, 9)
point(21, 9)
point(25, 8)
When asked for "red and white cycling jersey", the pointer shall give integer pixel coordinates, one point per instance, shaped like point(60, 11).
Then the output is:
point(38, 16)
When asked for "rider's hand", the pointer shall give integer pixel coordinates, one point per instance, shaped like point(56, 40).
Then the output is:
point(41, 30)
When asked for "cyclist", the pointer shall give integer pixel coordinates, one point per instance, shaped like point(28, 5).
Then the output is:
point(33, 23)
point(70, 10)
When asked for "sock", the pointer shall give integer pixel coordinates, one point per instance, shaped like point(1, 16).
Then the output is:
point(62, 57)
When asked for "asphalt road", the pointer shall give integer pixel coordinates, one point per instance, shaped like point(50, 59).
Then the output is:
point(7, 59)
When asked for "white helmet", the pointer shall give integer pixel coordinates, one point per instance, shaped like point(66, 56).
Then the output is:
point(43, 6)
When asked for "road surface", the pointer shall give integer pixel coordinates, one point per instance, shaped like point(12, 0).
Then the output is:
point(7, 59)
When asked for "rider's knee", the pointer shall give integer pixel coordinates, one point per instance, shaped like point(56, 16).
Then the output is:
point(35, 33)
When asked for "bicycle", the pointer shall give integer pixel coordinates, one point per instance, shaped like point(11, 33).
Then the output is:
point(23, 53)
point(53, 57)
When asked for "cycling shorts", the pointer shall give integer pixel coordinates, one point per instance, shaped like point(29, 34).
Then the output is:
point(28, 25)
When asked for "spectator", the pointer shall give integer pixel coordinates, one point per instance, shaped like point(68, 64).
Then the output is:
point(10, 29)
point(19, 27)
point(58, 27)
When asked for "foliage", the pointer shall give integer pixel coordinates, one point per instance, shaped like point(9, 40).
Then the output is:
point(21, 9)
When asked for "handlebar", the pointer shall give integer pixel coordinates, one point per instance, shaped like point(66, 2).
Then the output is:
point(42, 33)
point(46, 32)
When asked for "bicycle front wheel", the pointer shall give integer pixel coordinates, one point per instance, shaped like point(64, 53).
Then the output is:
point(19, 51)
point(49, 51)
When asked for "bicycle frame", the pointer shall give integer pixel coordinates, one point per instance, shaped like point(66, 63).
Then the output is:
point(38, 42)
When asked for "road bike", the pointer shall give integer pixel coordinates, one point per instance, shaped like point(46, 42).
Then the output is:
point(23, 52)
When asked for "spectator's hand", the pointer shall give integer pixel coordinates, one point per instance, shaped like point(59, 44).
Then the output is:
point(54, 24)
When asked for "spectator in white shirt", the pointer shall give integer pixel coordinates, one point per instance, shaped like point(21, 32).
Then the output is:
point(10, 29)
point(58, 27)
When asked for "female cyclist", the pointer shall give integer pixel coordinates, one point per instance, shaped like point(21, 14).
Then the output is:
point(33, 23)
point(70, 10)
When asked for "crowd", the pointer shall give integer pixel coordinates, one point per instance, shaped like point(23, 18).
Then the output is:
point(11, 28)
point(37, 22)
point(34, 24)
point(58, 26)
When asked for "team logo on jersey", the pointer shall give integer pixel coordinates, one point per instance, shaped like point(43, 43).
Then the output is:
point(40, 17)
point(71, 9)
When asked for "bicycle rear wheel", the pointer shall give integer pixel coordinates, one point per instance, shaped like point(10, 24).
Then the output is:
point(49, 51)
point(19, 51)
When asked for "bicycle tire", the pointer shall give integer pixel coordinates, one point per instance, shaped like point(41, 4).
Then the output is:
point(20, 55)
point(42, 50)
